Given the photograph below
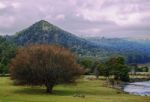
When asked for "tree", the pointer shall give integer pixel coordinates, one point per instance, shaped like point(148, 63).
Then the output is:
point(44, 65)
point(118, 68)
point(104, 70)
point(145, 69)
point(87, 64)
point(96, 72)
point(7, 51)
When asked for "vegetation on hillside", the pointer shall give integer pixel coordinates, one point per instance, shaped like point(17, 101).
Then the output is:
point(134, 51)
point(43, 32)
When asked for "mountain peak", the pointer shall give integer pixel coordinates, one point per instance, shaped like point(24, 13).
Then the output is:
point(44, 25)
point(42, 22)
point(43, 32)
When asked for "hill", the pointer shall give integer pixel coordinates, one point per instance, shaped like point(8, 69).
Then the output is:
point(43, 32)
point(136, 51)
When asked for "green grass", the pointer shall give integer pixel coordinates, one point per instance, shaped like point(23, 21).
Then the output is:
point(94, 91)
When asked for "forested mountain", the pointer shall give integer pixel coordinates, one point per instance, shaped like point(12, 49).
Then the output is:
point(136, 51)
point(43, 32)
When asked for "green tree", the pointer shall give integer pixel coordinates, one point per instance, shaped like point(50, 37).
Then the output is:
point(118, 68)
point(104, 70)
point(7, 51)
point(87, 64)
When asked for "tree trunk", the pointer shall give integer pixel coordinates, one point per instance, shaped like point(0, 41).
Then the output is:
point(97, 76)
point(107, 80)
point(49, 88)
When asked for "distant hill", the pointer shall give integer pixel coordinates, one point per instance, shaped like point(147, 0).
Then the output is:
point(136, 51)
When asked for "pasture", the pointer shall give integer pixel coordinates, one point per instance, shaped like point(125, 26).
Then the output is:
point(84, 91)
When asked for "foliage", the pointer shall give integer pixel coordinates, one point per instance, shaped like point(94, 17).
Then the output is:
point(115, 66)
point(44, 65)
point(87, 64)
point(142, 69)
point(118, 68)
point(7, 51)
point(104, 70)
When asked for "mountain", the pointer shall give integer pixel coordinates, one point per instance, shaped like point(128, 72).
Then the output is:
point(43, 32)
point(136, 51)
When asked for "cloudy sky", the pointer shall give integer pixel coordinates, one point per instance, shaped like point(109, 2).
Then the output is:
point(110, 18)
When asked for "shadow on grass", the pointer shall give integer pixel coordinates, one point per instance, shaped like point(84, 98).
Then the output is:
point(42, 91)
point(67, 91)
point(63, 92)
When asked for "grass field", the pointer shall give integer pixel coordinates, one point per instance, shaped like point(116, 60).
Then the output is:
point(94, 91)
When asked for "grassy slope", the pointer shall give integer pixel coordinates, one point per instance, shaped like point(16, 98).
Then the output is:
point(94, 91)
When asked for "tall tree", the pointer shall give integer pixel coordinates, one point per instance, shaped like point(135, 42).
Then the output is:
point(44, 65)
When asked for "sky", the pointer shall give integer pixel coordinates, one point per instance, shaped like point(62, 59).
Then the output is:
point(85, 18)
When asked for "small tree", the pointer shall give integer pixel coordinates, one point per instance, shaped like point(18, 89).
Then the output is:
point(44, 65)
point(118, 68)
point(104, 70)
point(87, 64)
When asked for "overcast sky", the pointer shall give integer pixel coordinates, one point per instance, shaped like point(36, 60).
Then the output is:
point(110, 18)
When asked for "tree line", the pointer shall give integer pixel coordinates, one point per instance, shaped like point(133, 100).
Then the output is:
point(114, 66)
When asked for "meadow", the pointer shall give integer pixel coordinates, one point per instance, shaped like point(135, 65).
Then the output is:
point(93, 90)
